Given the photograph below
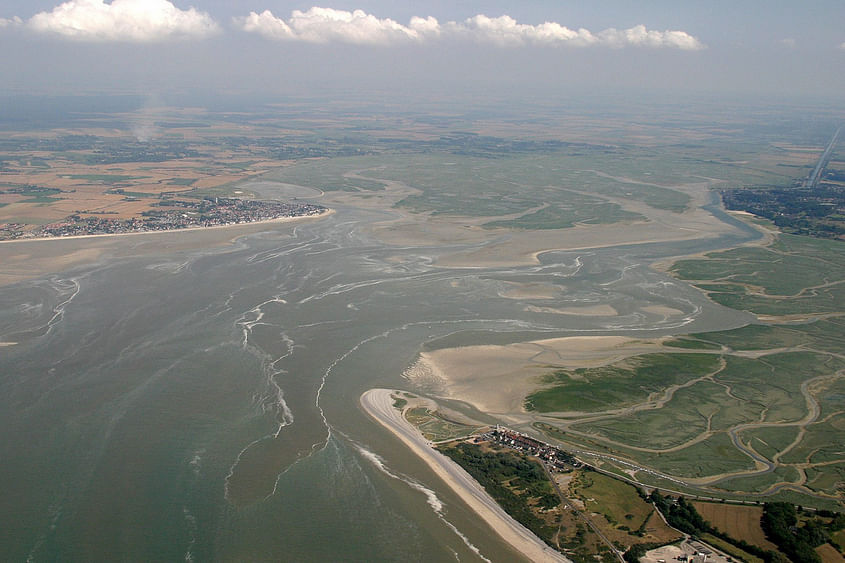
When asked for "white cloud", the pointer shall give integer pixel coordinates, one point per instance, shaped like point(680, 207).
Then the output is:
point(123, 20)
point(505, 31)
point(639, 36)
point(789, 42)
point(324, 25)
point(842, 45)
point(4, 22)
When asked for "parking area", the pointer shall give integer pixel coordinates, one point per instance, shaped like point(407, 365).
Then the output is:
point(692, 551)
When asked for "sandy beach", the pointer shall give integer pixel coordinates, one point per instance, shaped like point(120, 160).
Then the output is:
point(378, 404)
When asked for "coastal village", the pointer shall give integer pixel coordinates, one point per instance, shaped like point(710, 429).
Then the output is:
point(555, 459)
point(170, 214)
point(579, 510)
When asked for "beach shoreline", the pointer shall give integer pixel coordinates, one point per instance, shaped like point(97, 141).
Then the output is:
point(378, 405)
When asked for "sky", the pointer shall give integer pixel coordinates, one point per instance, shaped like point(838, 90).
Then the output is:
point(774, 48)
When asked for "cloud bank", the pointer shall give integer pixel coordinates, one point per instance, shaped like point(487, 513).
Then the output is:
point(123, 20)
point(157, 20)
point(325, 25)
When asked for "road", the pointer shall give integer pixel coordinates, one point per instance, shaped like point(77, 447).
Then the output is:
point(378, 404)
point(813, 179)
point(578, 514)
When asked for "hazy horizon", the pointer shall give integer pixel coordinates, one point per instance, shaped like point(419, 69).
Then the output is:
point(404, 49)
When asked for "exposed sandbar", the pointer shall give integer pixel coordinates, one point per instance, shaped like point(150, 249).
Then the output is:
point(496, 379)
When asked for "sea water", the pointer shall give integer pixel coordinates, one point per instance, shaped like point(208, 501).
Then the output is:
point(203, 404)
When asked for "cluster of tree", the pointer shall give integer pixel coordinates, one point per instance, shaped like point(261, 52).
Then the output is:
point(818, 212)
point(780, 523)
point(501, 473)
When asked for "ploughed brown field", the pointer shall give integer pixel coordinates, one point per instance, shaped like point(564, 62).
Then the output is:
point(829, 554)
point(741, 522)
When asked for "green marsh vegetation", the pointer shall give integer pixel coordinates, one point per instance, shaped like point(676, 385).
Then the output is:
point(624, 383)
point(773, 389)
point(547, 190)
point(434, 425)
point(794, 275)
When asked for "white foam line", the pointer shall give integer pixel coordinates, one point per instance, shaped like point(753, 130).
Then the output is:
point(431, 497)
point(278, 402)
point(345, 288)
point(59, 310)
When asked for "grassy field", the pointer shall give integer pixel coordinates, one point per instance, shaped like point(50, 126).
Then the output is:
point(822, 443)
point(827, 478)
point(620, 513)
point(617, 385)
point(768, 441)
point(713, 456)
point(435, 426)
point(730, 549)
point(794, 275)
point(839, 539)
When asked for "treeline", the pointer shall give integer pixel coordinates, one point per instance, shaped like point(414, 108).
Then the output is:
point(780, 523)
point(493, 469)
point(795, 538)
point(683, 516)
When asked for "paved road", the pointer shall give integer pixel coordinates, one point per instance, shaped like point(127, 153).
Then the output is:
point(378, 404)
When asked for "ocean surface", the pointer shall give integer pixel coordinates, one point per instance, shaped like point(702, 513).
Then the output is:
point(202, 405)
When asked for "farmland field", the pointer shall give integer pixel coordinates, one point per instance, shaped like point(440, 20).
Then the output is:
point(741, 522)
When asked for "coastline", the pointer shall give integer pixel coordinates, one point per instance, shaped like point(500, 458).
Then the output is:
point(378, 405)
point(322, 214)
point(30, 258)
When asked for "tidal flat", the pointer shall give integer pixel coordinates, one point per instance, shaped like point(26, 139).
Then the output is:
point(202, 401)
point(194, 395)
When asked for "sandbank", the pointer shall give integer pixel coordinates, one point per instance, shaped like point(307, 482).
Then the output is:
point(496, 378)
point(531, 290)
point(589, 311)
point(662, 310)
point(378, 404)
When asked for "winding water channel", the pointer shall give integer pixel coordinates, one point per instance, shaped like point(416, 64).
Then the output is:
point(202, 403)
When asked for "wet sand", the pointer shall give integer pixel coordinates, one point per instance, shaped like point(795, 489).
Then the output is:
point(496, 379)
point(29, 258)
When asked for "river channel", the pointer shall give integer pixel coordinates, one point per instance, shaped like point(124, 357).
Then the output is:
point(202, 403)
